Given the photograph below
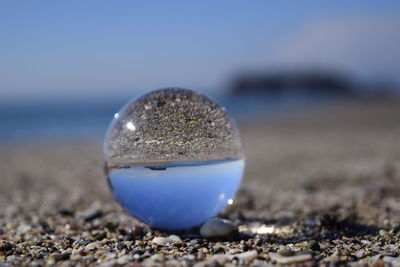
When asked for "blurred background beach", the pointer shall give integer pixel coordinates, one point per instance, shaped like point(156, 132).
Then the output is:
point(314, 87)
point(66, 68)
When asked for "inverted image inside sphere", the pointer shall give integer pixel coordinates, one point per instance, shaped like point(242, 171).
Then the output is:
point(171, 125)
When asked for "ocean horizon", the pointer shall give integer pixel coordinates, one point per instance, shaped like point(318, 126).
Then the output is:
point(90, 119)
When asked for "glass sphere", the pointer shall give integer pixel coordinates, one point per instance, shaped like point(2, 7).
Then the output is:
point(173, 158)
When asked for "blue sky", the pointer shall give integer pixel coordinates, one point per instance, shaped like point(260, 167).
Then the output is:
point(83, 49)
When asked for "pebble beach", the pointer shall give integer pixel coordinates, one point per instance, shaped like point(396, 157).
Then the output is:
point(321, 187)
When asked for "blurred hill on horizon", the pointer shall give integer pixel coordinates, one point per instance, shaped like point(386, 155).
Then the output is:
point(328, 83)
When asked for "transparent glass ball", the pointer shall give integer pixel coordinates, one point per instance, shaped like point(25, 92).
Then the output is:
point(173, 158)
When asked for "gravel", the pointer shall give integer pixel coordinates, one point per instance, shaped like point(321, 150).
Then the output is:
point(323, 184)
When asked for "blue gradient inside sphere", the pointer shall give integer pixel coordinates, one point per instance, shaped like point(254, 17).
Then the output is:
point(177, 196)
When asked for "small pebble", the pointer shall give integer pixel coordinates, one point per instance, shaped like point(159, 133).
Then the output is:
point(5, 246)
point(64, 211)
point(100, 236)
point(91, 246)
point(61, 256)
point(90, 214)
point(217, 227)
point(121, 246)
point(124, 259)
point(167, 240)
point(289, 260)
point(137, 251)
point(286, 252)
point(135, 231)
point(383, 232)
point(192, 250)
point(218, 260)
point(314, 246)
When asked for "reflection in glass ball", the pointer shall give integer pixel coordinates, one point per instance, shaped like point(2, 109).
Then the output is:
point(173, 158)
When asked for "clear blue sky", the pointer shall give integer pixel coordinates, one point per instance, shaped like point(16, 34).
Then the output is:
point(69, 49)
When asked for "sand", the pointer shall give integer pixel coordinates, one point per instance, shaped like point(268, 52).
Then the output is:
point(321, 186)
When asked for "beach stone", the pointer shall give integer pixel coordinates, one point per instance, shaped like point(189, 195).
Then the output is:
point(61, 256)
point(135, 231)
point(91, 246)
point(217, 260)
point(383, 232)
point(89, 214)
point(314, 245)
point(123, 259)
point(360, 253)
point(121, 246)
point(100, 236)
point(65, 211)
point(217, 227)
point(289, 260)
point(286, 252)
point(167, 240)
point(5, 246)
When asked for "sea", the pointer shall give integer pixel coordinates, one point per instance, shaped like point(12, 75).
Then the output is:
point(55, 120)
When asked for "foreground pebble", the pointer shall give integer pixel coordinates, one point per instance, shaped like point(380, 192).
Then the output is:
point(276, 257)
point(217, 227)
point(167, 240)
point(286, 252)
point(223, 259)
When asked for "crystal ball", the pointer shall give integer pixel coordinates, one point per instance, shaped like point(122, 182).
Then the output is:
point(173, 158)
